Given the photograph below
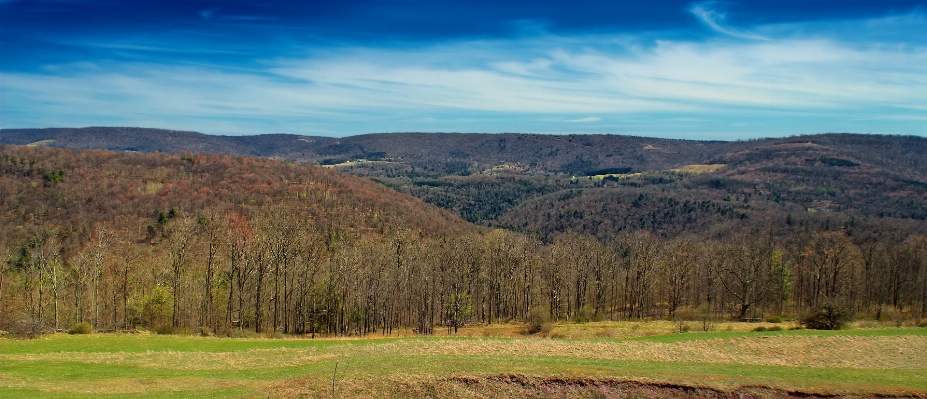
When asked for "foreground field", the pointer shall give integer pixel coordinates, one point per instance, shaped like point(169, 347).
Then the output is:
point(765, 364)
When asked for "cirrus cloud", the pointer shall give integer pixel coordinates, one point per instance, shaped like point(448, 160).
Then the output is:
point(783, 81)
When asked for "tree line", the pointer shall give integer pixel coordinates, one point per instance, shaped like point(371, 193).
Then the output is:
point(268, 270)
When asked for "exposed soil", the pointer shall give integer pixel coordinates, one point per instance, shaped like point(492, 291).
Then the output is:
point(582, 387)
point(510, 385)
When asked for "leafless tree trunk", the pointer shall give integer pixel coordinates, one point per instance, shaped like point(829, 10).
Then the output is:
point(209, 222)
point(180, 239)
point(747, 274)
point(678, 265)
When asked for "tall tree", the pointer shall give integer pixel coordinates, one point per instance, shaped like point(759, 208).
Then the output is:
point(641, 253)
point(829, 265)
point(180, 238)
point(748, 273)
point(678, 268)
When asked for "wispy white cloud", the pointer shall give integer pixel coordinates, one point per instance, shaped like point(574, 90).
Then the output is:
point(585, 120)
point(708, 14)
point(157, 47)
point(212, 14)
point(790, 84)
point(248, 18)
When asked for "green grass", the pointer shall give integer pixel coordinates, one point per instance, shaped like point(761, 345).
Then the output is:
point(150, 342)
point(690, 336)
point(117, 365)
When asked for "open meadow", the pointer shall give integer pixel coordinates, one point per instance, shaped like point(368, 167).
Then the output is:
point(600, 360)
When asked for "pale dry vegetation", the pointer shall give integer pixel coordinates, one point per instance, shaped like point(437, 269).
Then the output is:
point(701, 168)
point(904, 352)
point(886, 361)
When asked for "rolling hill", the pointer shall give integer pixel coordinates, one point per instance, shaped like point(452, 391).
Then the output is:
point(599, 184)
point(218, 242)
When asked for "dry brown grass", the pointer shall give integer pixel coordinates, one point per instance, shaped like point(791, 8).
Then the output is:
point(604, 329)
point(694, 169)
point(898, 352)
point(239, 360)
point(878, 352)
point(700, 168)
point(472, 367)
point(129, 386)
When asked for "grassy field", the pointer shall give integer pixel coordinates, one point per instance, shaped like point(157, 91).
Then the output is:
point(856, 361)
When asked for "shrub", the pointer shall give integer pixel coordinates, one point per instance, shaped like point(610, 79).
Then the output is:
point(183, 331)
point(682, 327)
point(205, 332)
point(774, 319)
point(605, 332)
point(759, 329)
point(81, 328)
point(774, 328)
point(867, 324)
point(896, 316)
point(827, 317)
point(164, 329)
point(588, 312)
point(922, 323)
point(536, 319)
point(168, 329)
point(23, 328)
point(241, 333)
point(546, 328)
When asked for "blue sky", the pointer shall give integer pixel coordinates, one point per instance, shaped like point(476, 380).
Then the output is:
point(664, 68)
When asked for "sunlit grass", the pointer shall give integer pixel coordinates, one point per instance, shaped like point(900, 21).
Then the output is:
point(139, 365)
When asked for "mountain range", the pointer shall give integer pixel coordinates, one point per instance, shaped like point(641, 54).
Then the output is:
point(598, 184)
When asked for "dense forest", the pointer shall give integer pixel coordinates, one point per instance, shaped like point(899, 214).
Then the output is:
point(550, 184)
point(223, 244)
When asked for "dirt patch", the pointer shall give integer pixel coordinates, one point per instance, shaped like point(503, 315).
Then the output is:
point(582, 387)
point(533, 387)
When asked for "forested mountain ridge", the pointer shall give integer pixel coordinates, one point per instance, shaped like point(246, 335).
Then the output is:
point(109, 230)
point(225, 243)
point(148, 140)
point(69, 187)
point(772, 182)
point(597, 184)
point(470, 153)
point(439, 153)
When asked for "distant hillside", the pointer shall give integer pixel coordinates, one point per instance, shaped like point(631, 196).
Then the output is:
point(554, 183)
point(76, 190)
point(531, 154)
point(123, 240)
point(836, 180)
point(441, 154)
point(159, 140)
point(434, 154)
